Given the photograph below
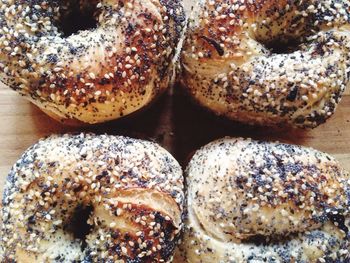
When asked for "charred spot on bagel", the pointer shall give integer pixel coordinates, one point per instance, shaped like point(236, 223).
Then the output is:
point(293, 94)
point(215, 44)
point(339, 220)
point(262, 240)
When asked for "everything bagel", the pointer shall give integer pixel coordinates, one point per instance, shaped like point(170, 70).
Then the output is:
point(93, 75)
point(87, 198)
point(268, 62)
point(252, 201)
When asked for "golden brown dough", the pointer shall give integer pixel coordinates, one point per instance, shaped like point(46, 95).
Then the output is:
point(254, 201)
point(94, 75)
point(89, 198)
point(268, 62)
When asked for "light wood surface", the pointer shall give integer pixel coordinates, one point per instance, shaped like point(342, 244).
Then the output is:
point(174, 121)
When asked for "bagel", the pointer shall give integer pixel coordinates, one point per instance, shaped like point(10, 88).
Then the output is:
point(93, 75)
point(268, 62)
point(89, 198)
point(253, 201)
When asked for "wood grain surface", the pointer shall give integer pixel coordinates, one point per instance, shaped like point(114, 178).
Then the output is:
point(173, 121)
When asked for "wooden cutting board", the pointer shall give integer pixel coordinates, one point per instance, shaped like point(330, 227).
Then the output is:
point(174, 122)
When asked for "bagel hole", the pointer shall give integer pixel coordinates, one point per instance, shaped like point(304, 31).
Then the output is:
point(78, 224)
point(77, 15)
point(282, 46)
point(261, 240)
point(258, 240)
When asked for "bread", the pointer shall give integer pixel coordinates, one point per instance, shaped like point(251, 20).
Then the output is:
point(254, 201)
point(270, 62)
point(104, 72)
point(92, 198)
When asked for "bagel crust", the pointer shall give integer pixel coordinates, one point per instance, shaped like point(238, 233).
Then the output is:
point(94, 75)
point(253, 201)
point(131, 192)
point(268, 62)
